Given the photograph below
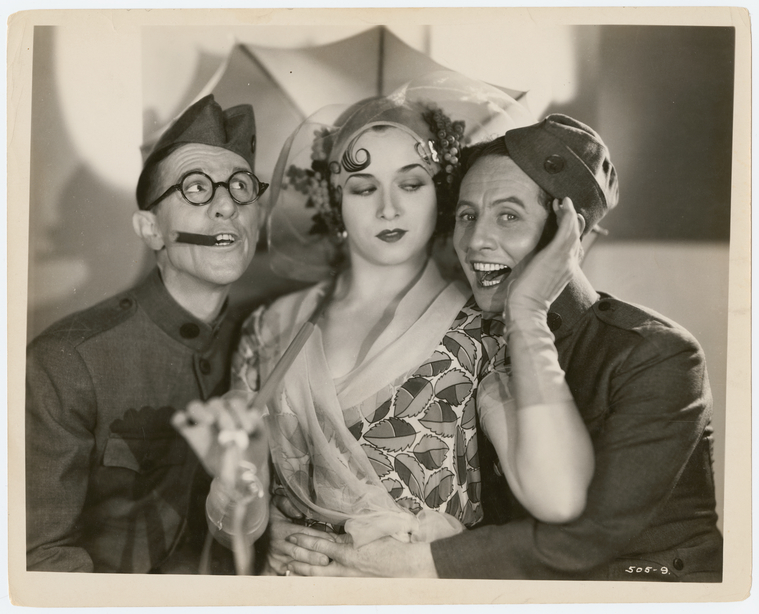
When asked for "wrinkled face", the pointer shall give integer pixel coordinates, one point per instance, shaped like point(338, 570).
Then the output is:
point(389, 208)
point(234, 226)
point(499, 221)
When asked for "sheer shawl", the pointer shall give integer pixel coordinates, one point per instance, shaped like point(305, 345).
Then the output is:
point(318, 460)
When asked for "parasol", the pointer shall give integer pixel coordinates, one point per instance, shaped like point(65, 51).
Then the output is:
point(287, 85)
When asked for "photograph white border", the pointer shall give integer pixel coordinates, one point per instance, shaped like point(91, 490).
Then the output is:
point(51, 589)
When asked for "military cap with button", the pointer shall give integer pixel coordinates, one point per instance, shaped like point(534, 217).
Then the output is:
point(204, 122)
point(567, 158)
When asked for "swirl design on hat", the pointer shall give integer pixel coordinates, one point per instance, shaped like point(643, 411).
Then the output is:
point(351, 161)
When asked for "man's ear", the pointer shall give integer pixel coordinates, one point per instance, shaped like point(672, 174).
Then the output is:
point(146, 227)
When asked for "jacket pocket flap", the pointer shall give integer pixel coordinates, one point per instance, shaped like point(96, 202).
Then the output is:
point(143, 455)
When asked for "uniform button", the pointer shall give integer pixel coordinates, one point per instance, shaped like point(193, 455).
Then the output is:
point(604, 305)
point(678, 564)
point(554, 321)
point(205, 366)
point(554, 164)
point(125, 303)
point(189, 331)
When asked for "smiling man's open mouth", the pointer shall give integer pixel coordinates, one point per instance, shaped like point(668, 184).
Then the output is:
point(490, 273)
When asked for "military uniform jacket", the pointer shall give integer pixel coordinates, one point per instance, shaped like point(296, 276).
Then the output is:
point(640, 383)
point(108, 480)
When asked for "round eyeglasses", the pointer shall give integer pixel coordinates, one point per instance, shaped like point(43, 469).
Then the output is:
point(198, 189)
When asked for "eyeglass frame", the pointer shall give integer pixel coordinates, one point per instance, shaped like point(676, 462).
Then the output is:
point(214, 184)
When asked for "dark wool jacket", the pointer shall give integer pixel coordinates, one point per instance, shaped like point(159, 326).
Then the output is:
point(109, 482)
point(640, 383)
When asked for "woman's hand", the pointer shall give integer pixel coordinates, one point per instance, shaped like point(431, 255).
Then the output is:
point(538, 279)
point(223, 432)
point(283, 552)
point(386, 557)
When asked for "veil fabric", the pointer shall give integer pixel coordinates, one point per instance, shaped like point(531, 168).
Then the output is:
point(324, 469)
point(299, 246)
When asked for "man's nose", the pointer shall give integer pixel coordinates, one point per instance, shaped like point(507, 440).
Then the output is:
point(222, 204)
point(482, 235)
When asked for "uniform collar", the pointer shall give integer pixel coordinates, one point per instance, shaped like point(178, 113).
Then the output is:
point(573, 302)
point(172, 318)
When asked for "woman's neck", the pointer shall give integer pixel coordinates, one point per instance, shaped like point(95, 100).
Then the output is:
point(364, 306)
point(365, 282)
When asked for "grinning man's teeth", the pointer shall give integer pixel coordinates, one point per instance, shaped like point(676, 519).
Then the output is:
point(488, 266)
point(224, 239)
point(490, 274)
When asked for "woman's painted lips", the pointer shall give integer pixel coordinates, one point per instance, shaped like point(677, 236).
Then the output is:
point(391, 236)
point(490, 273)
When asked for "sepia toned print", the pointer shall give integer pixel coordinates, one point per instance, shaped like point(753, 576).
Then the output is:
point(662, 93)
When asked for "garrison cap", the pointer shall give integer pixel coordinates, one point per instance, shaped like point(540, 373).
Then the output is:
point(205, 123)
point(567, 158)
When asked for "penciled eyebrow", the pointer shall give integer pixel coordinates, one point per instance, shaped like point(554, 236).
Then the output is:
point(411, 167)
point(405, 169)
point(359, 176)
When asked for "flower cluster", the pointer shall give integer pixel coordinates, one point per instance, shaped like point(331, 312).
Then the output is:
point(448, 142)
point(314, 183)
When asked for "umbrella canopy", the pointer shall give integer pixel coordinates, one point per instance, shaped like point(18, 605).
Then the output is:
point(287, 85)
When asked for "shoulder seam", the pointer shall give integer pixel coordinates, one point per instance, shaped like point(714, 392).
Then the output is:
point(74, 329)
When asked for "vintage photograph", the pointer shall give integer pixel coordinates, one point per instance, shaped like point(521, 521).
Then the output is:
point(312, 295)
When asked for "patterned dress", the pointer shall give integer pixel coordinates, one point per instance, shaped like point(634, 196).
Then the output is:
point(417, 428)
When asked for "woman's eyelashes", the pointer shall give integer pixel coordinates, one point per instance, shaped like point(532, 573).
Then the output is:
point(361, 188)
point(367, 189)
point(411, 186)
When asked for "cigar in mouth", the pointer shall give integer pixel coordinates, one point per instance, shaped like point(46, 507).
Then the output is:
point(193, 239)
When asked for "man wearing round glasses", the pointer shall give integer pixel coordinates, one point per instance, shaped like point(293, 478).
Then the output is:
point(199, 188)
point(111, 486)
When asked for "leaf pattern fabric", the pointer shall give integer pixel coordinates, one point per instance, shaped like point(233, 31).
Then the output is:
point(427, 431)
point(421, 441)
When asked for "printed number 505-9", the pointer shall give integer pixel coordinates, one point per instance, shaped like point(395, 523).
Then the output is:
point(660, 570)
